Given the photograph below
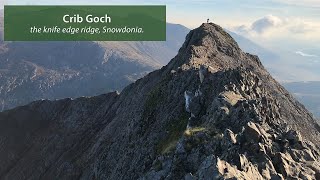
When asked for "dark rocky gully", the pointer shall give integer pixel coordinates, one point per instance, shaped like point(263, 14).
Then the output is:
point(213, 112)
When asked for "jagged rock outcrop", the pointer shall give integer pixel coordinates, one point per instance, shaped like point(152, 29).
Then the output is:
point(231, 121)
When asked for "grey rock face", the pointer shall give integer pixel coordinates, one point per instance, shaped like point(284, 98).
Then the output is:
point(244, 125)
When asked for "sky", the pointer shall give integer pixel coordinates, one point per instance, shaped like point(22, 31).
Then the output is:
point(260, 20)
point(291, 26)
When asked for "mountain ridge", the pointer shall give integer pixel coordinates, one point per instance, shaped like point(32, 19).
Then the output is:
point(135, 60)
point(212, 112)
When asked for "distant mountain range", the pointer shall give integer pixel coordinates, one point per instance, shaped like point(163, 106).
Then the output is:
point(308, 93)
point(53, 70)
point(249, 46)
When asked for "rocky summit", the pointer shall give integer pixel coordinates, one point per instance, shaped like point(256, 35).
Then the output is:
point(213, 112)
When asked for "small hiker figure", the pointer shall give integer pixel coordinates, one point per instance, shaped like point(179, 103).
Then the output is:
point(208, 20)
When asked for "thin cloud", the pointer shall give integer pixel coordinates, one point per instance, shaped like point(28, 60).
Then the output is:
point(305, 54)
point(271, 26)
